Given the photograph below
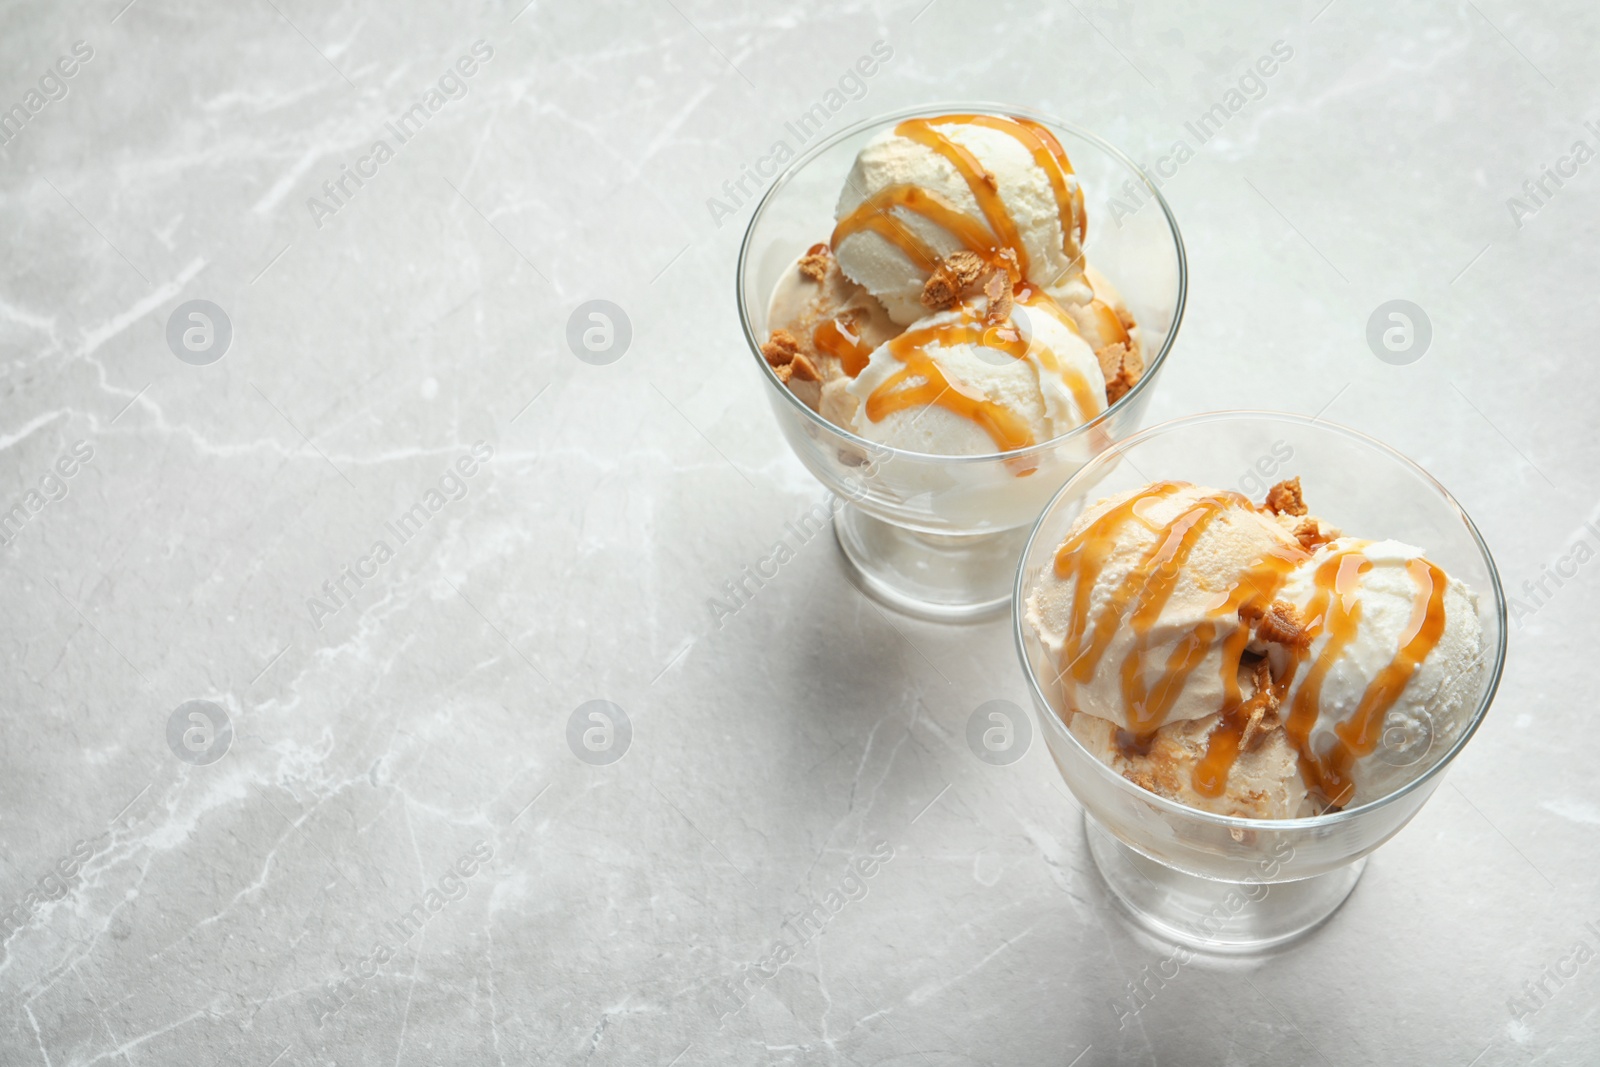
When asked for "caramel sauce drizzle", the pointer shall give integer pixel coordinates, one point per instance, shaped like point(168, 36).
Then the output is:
point(920, 382)
point(873, 214)
point(836, 339)
point(996, 230)
point(1137, 602)
point(1335, 611)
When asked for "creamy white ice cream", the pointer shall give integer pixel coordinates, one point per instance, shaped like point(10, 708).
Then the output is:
point(1143, 612)
point(1395, 655)
point(954, 384)
point(1228, 656)
point(930, 187)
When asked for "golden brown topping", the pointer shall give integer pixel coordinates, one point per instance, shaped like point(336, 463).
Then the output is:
point(1118, 387)
point(1260, 711)
point(954, 275)
point(1282, 625)
point(1311, 534)
point(802, 368)
point(997, 291)
point(1285, 499)
point(814, 264)
point(781, 348)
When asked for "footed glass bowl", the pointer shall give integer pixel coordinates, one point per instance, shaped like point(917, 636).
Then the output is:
point(1215, 882)
point(938, 536)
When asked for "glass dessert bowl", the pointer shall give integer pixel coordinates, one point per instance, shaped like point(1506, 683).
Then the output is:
point(984, 355)
point(1245, 701)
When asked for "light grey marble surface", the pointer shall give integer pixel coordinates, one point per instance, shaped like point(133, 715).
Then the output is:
point(213, 910)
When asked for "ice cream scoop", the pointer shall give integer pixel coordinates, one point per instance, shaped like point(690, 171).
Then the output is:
point(1142, 609)
point(1375, 662)
point(979, 183)
point(977, 378)
point(1243, 659)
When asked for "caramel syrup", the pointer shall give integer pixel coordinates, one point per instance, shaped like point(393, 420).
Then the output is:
point(836, 339)
point(996, 230)
point(920, 382)
point(1137, 602)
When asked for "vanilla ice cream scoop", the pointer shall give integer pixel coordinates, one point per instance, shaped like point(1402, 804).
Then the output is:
point(980, 183)
point(1209, 654)
point(1377, 667)
point(968, 381)
point(1142, 610)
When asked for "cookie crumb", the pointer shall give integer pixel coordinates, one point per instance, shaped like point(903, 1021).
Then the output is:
point(1285, 499)
point(1282, 625)
point(950, 279)
point(1260, 711)
point(814, 264)
point(802, 368)
point(1312, 534)
point(781, 348)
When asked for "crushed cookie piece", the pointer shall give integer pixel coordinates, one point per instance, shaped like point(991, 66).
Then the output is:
point(1312, 535)
point(1260, 711)
point(1143, 779)
point(1111, 358)
point(802, 368)
point(780, 349)
point(1285, 499)
point(1117, 388)
point(1282, 625)
point(950, 279)
point(997, 291)
point(814, 264)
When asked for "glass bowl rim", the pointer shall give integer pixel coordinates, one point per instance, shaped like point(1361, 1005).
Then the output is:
point(1234, 822)
point(1152, 368)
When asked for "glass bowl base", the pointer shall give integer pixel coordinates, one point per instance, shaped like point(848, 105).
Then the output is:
point(941, 577)
point(1231, 918)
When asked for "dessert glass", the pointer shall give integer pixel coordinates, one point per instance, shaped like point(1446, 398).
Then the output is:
point(938, 536)
point(1215, 882)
